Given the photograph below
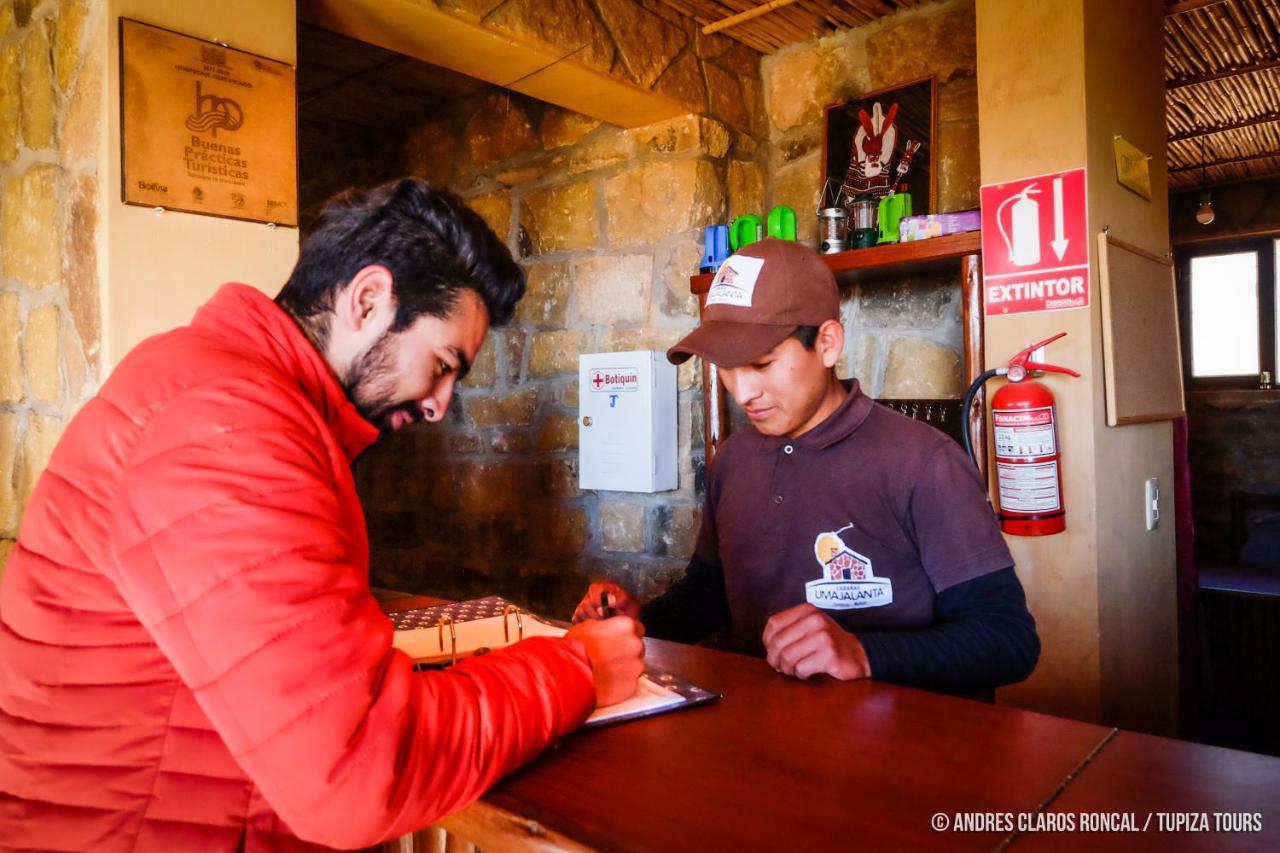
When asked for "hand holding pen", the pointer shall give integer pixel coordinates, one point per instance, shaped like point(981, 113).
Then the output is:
point(605, 599)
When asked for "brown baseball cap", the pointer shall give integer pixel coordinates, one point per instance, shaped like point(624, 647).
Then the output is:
point(758, 298)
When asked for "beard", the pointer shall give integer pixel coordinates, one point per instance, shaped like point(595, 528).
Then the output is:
point(370, 384)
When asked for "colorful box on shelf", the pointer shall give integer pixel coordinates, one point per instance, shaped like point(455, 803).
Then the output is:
point(938, 224)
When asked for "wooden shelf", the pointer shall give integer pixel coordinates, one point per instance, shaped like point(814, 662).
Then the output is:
point(892, 260)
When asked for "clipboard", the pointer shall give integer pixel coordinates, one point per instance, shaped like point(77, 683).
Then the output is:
point(437, 637)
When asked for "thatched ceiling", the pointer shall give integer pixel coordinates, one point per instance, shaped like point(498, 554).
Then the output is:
point(1222, 79)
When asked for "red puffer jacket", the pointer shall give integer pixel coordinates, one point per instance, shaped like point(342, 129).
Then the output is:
point(189, 655)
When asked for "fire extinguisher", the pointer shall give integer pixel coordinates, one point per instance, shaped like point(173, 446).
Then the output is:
point(1028, 458)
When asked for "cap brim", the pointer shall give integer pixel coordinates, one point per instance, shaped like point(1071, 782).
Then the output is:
point(727, 344)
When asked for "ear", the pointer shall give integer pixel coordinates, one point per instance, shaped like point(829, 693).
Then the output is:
point(830, 342)
point(367, 299)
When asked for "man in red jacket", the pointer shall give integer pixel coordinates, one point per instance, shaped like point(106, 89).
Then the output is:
point(190, 658)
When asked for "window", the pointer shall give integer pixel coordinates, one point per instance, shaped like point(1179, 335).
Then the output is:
point(1227, 307)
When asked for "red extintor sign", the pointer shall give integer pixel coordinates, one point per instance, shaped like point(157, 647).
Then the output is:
point(1035, 244)
point(611, 380)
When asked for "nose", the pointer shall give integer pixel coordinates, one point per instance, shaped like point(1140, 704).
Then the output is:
point(742, 386)
point(435, 403)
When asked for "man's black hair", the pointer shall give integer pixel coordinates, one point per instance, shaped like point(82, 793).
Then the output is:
point(806, 335)
point(433, 244)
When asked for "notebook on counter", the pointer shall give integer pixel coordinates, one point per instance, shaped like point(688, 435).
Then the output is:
point(442, 635)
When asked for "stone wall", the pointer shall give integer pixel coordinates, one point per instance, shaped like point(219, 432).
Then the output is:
point(1232, 446)
point(905, 338)
point(607, 224)
point(50, 113)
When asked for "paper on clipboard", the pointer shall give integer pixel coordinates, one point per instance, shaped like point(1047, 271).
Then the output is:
point(418, 635)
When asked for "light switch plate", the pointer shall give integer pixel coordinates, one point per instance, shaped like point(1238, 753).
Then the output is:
point(1152, 503)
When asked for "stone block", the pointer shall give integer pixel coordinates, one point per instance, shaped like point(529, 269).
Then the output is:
point(622, 526)
point(30, 235)
point(430, 152)
point(609, 289)
point(560, 532)
point(516, 408)
point(511, 441)
point(558, 478)
point(861, 361)
point(80, 269)
point(908, 304)
point(683, 83)
point(67, 38)
point(10, 352)
point(921, 369)
point(492, 488)
point(676, 262)
point(798, 186)
point(557, 352)
point(746, 189)
point(10, 502)
point(726, 97)
point(40, 354)
point(6, 546)
point(795, 144)
point(958, 166)
point(569, 26)
point(10, 102)
point(38, 105)
point(77, 367)
point(561, 127)
point(651, 338)
point(7, 22)
point(958, 100)
point(558, 432)
point(82, 121)
point(564, 392)
point(495, 210)
point(484, 370)
point(42, 435)
point(607, 147)
point(677, 527)
point(653, 200)
point(942, 45)
point(546, 295)
point(686, 133)
point(798, 84)
point(498, 129)
point(646, 43)
point(561, 218)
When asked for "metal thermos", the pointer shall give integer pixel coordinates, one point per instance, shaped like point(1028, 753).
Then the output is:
point(833, 224)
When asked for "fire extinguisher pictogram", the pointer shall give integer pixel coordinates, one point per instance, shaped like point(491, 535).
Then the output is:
point(1027, 454)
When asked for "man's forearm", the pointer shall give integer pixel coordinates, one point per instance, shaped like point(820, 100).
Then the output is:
point(983, 637)
point(692, 609)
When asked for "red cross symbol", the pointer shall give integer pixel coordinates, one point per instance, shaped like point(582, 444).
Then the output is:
point(597, 380)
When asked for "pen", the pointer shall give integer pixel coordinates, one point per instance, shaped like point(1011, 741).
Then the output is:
point(604, 605)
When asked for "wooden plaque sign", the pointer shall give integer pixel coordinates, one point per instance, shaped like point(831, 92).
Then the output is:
point(206, 128)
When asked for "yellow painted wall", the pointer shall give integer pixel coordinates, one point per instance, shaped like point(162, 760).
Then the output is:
point(156, 269)
point(1055, 81)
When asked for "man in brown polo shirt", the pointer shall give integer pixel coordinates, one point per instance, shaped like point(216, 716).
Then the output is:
point(839, 536)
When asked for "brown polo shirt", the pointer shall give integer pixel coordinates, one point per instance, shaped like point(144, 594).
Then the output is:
point(868, 516)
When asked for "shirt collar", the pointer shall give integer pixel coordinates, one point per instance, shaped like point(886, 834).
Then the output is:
point(254, 322)
point(838, 425)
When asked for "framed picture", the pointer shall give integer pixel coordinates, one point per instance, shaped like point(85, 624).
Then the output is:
point(883, 141)
point(206, 128)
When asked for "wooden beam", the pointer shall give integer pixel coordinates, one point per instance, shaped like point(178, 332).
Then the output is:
point(1273, 155)
point(743, 17)
point(1222, 75)
point(423, 31)
point(1189, 6)
point(1209, 131)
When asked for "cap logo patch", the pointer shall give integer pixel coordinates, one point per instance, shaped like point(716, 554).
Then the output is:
point(735, 282)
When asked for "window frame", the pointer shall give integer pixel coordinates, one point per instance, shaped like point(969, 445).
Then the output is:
point(1266, 249)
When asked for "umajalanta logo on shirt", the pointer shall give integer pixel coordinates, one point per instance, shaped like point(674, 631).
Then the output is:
point(847, 581)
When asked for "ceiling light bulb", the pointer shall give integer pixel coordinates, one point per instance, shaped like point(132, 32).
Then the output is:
point(1205, 214)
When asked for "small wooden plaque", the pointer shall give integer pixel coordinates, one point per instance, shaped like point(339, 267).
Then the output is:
point(206, 128)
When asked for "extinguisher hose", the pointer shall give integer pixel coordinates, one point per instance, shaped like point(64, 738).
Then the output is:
point(964, 411)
